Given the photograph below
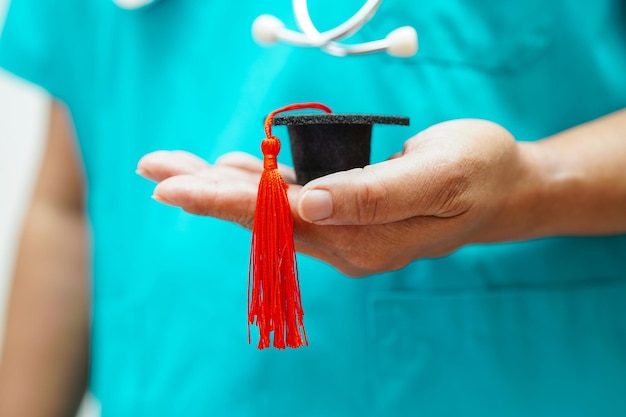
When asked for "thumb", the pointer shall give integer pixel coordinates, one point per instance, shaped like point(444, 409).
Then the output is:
point(382, 193)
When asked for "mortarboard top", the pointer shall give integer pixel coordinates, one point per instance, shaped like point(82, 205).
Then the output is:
point(328, 142)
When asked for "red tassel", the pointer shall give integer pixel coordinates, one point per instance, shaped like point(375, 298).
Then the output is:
point(274, 303)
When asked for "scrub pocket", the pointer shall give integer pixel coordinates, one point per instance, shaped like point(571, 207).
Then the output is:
point(491, 35)
point(515, 352)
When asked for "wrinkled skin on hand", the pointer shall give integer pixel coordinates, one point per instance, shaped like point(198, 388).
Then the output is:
point(455, 183)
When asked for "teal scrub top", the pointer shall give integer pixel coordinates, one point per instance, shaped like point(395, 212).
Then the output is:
point(534, 328)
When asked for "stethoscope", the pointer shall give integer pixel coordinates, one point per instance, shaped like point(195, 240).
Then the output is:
point(268, 29)
point(133, 4)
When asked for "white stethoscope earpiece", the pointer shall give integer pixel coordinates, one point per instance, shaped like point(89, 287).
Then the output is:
point(268, 29)
point(133, 4)
point(402, 42)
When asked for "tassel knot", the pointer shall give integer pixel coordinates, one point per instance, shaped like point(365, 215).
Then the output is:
point(270, 148)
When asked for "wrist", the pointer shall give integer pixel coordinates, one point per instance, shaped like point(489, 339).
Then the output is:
point(544, 199)
point(530, 198)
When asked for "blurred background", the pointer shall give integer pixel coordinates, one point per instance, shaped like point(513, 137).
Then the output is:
point(23, 123)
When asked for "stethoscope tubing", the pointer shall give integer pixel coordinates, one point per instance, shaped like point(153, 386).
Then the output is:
point(404, 39)
point(134, 4)
point(268, 29)
point(347, 28)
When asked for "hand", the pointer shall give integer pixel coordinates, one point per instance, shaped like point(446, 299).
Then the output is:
point(456, 183)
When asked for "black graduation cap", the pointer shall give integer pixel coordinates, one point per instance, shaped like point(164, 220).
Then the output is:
point(325, 143)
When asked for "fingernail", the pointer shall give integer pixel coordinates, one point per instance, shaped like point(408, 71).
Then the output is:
point(316, 205)
point(162, 200)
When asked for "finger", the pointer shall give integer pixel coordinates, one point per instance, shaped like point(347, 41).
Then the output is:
point(159, 165)
point(390, 191)
point(240, 160)
point(214, 196)
point(245, 161)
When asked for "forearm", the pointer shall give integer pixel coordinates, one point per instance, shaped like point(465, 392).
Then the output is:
point(575, 182)
point(43, 371)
